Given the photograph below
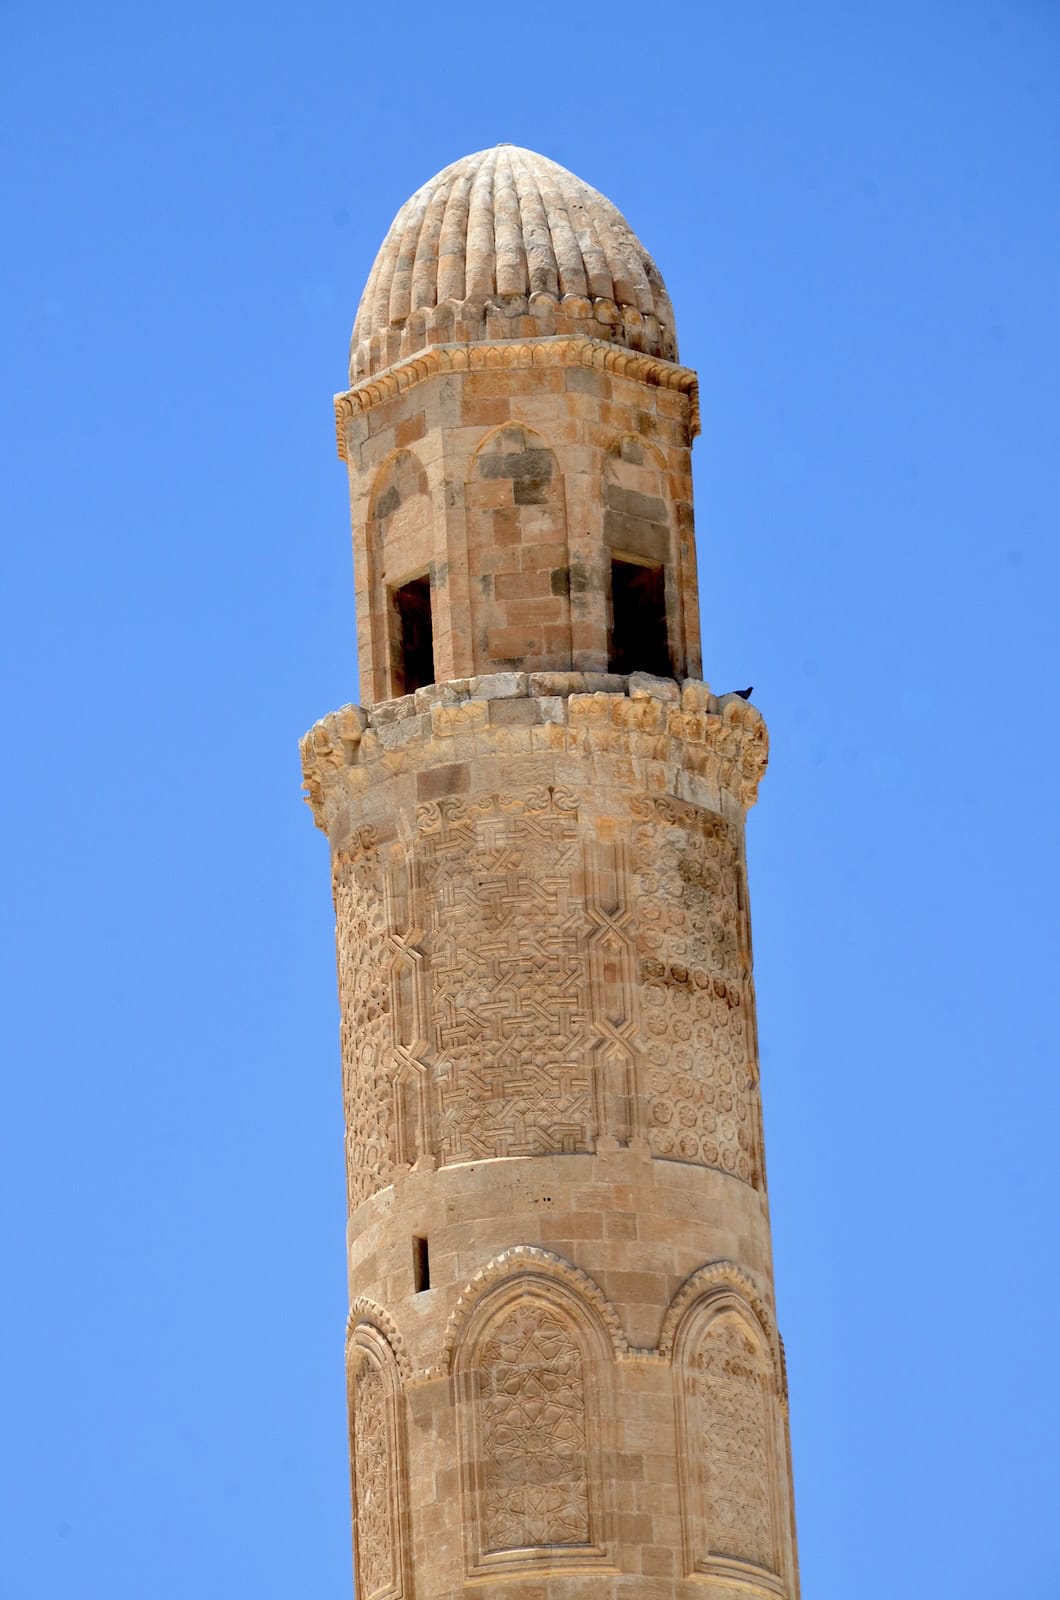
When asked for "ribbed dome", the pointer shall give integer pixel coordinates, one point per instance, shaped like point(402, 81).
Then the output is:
point(506, 244)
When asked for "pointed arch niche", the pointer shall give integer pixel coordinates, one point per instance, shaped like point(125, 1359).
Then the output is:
point(731, 1433)
point(377, 1456)
point(397, 582)
point(531, 1369)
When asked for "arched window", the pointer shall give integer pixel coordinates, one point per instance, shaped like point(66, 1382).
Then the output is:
point(400, 553)
point(638, 535)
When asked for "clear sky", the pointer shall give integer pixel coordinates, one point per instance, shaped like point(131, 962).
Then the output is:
point(856, 209)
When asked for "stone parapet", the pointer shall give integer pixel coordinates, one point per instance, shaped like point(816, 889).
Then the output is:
point(710, 750)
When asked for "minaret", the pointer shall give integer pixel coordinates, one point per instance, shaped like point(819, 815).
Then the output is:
point(565, 1375)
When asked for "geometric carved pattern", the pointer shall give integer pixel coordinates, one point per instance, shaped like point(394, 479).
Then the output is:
point(506, 931)
point(722, 1279)
point(613, 976)
point(730, 1383)
point(365, 1027)
point(516, 983)
point(376, 1472)
point(368, 1320)
point(533, 1432)
point(528, 1262)
point(695, 988)
point(372, 1467)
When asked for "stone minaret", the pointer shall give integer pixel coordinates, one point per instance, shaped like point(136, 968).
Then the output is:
point(565, 1374)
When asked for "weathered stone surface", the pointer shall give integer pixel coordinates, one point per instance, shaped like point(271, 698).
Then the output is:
point(646, 686)
point(499, 686)
point(696, 695)
point(513, 256)
point(557, 683)
point(604, 683)
point(388, 711)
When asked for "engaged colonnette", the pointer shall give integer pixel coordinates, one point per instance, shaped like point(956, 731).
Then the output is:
point(565, 1375)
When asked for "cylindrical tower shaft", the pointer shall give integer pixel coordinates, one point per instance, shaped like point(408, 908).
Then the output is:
point(565, 1375)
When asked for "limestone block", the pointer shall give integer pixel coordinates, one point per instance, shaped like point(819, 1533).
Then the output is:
point(499, 686)
point(589, 708)
point(351, 721)
point(557, 683)
point(385, 712)
point(552, 708)
point(696, 695)
point(447, 721)
point(646, 686)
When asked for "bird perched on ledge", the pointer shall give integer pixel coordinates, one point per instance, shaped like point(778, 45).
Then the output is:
point(744, 694)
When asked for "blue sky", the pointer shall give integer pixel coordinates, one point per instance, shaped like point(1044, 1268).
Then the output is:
point(856, 210)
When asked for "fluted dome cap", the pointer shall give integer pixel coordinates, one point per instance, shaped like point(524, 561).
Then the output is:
point(506, 244)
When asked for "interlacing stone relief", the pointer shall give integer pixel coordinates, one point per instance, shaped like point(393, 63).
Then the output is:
point(533, 1433)
point(511, 984)
point(506, 931)
point(695, 988)
point(373, 1466)
point(731, 1387)
point(365, 1024)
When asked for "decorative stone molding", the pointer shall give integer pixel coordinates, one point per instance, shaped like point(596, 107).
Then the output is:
point(558, 351)
point(366, 1313)
point(529, 1261)
point(731, 1409)
point(377, 1459)
point(721, 739)
point(718, 1280)
point(529, 1348)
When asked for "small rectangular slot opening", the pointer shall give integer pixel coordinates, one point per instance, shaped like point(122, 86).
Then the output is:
point(414, 667)
point(639, 640)
point(421, 1265)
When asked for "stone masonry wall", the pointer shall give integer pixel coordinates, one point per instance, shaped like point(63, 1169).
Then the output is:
point(551, 1080)
point(512, 473)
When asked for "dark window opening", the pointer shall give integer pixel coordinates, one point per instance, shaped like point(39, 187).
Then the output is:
point(639, 640)
point(415, 635)
point(421, 1265)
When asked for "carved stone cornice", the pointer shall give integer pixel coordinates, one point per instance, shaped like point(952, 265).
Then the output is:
point(675, 729)
point(555, 351)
